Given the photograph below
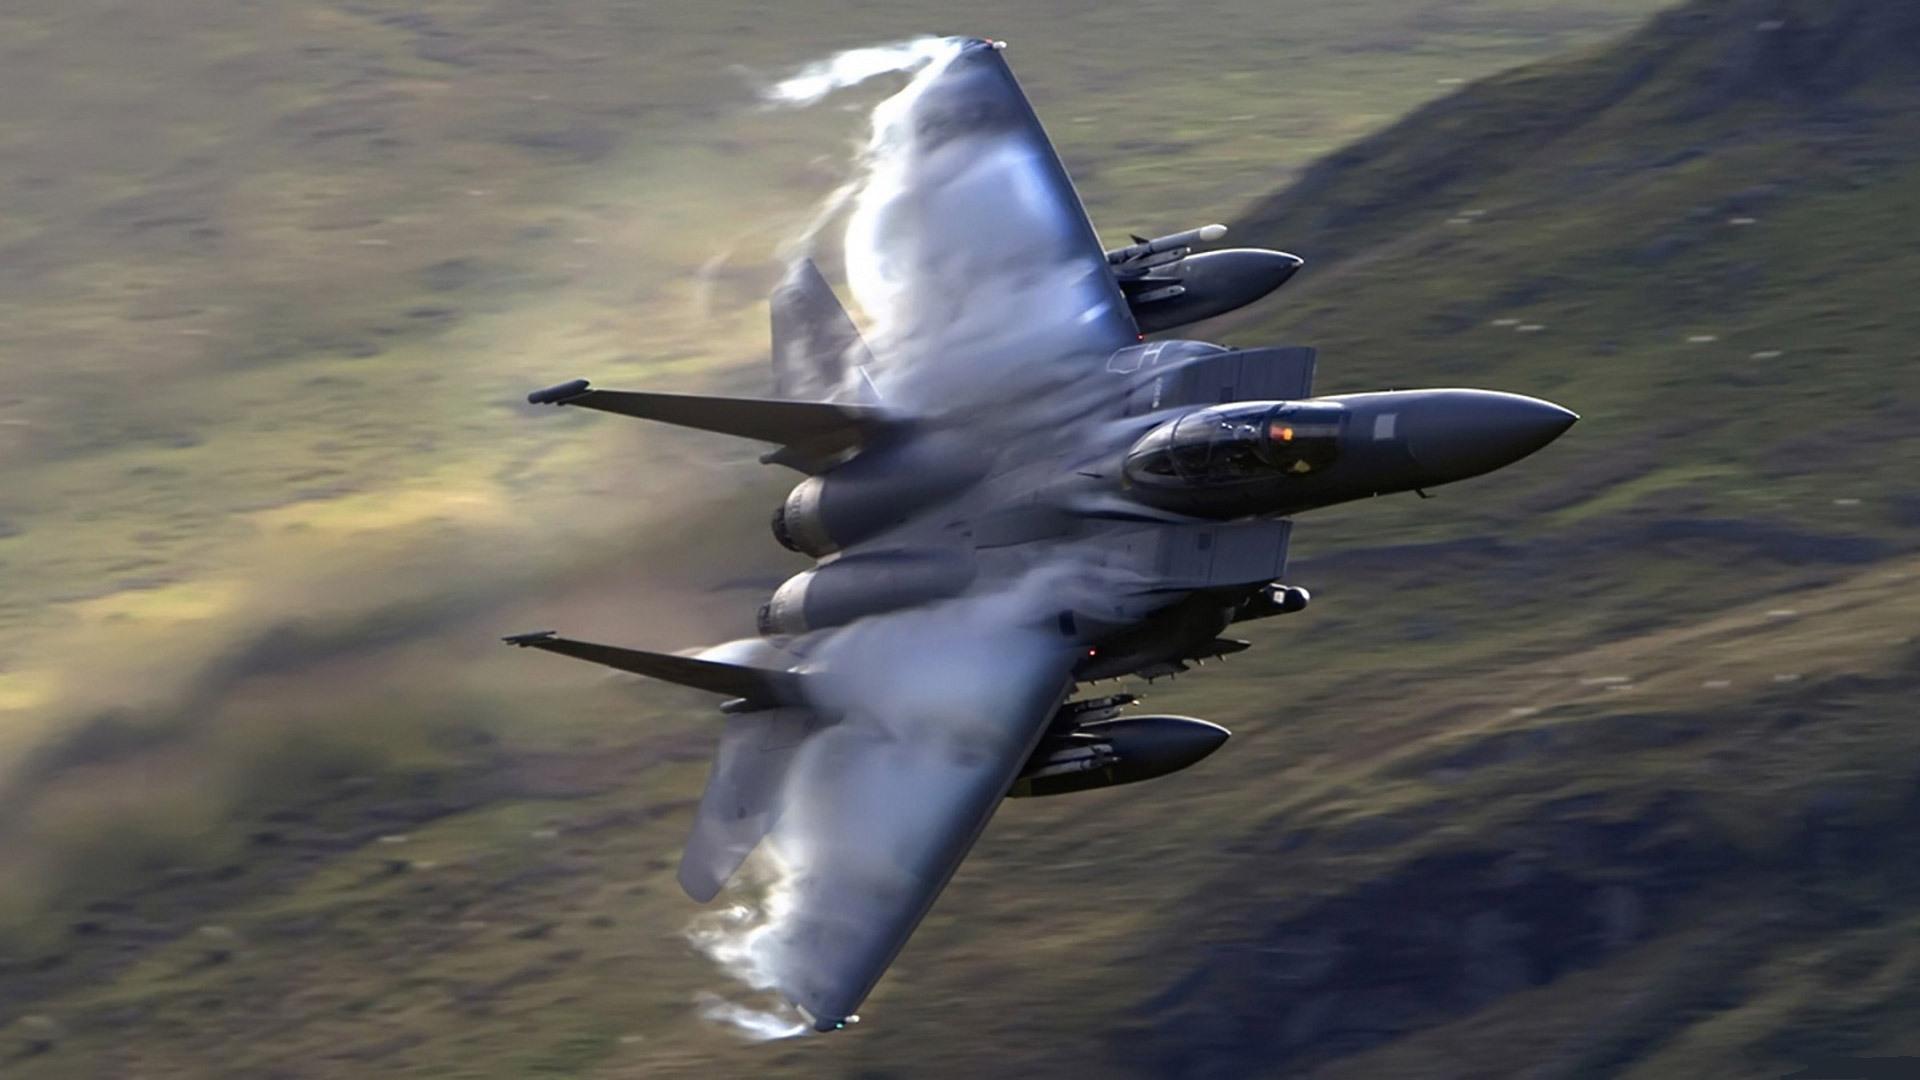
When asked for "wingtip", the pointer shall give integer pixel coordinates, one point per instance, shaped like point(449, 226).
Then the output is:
point(824, 1024)
point(532, 637)
point(558, 394)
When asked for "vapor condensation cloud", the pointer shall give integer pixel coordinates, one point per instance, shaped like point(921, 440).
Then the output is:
point(851, 67)
point(734, 938)
point(988, 303)
point(742, 938)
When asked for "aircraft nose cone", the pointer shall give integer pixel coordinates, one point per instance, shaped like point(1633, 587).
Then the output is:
point(1455, 434)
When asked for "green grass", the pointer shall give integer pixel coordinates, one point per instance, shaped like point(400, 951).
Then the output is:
point(268, 497)
point(268, 306)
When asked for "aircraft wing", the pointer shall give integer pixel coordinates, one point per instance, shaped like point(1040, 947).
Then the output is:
point(931, 719)
point(969, 247)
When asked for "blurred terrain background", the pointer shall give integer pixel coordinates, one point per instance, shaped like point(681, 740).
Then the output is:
point(1605, 765)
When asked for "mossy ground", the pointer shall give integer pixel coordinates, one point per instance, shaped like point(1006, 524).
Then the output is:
point(268, 497)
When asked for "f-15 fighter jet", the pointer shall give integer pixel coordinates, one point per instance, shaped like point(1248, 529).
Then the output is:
point(1010, 493)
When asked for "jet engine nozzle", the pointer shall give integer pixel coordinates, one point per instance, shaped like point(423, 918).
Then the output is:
point(874, 491)
point(856, 586)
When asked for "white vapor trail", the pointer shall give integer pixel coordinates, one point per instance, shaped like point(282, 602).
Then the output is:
point(852, 67)
point(977, 285)
point(733, 937)
point(740, 938)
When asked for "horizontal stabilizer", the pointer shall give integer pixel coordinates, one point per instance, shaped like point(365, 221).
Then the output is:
point(810, 433)
point(759, 687)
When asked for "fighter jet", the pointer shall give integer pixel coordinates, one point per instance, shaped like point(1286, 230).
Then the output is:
point(1010, 494)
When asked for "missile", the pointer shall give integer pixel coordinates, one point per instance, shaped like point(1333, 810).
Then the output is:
point(1143, 248)
point(1074, 757)
point(1090, 710)
point(856, 586)
point(1167, 286)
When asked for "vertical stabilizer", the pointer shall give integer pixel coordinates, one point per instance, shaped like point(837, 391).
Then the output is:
point(741, 802)
point(816, 347)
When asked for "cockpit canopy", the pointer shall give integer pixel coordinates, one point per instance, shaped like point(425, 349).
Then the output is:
point(1239, 443)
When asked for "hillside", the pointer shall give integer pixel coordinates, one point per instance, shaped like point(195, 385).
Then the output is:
point(1685, 237)
point(1605, 765)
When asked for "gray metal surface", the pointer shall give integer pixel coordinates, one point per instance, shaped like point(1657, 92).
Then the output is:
point(1024, 497)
